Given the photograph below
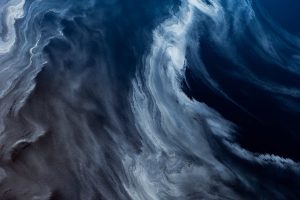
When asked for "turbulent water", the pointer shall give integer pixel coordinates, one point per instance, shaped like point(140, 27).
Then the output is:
point(149, 100)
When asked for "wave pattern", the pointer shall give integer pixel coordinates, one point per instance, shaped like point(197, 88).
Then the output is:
point(92, 106)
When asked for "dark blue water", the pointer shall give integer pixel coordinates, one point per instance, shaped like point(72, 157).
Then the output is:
point(267, 122)
point(149, 100)
point(285, 13)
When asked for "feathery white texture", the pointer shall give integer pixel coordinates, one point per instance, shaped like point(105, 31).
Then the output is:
point(13, 11)
point(169, 122)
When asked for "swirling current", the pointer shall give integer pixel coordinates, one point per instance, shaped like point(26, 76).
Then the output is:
point(149, 100)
